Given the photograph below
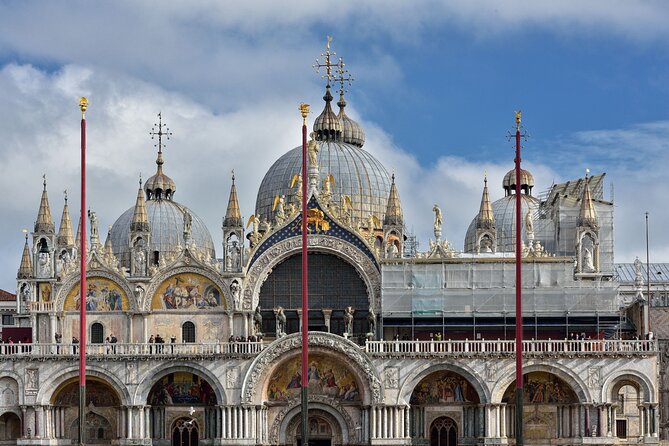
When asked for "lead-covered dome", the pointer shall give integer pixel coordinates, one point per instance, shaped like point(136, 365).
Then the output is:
point(166, 223)
point(357, 174)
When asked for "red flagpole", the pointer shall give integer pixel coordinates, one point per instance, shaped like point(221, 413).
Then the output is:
point(304, 108)
point(83, 104)
point(519, 302)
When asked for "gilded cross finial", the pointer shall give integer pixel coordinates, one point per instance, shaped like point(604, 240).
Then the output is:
point(343, 76)
point(327, 64)
point(160, 133)
point(83, 105)
point(304, 111)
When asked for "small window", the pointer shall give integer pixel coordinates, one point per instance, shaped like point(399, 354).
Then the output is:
point(156, 257)
point(188, 332)
point(7, 319)
point(97, 333)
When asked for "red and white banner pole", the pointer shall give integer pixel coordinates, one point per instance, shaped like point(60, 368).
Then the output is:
point(304, 109)
point(83, 105)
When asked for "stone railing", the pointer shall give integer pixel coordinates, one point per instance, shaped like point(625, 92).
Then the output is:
point(40, 307)
point(507, 348)
point(118, 351)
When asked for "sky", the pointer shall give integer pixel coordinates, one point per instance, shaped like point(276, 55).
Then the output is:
point(436, 86)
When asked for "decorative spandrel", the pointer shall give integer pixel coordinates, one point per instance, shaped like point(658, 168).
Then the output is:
point(326, 376)
point(187, 291)
point(101, 295)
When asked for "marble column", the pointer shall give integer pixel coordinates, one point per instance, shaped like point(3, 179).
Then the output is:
point(145, 326)
point(327, 315)
point(52, 328)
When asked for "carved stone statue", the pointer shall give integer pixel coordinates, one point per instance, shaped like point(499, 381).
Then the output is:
point(438, 221)
point(529, 225)
point(94, 227)
point(588, 266)
point(188, 223)
point(235, 255)
point(280, 323)
point(257, 321)
point(348, 321)
point(44, 268)
point(371, 319)
point(235, 290)
point(25, 292)
point(279, 212)
point(140, 261)
point(312, 150)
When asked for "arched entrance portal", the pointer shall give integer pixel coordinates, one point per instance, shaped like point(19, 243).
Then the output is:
point(185, 432)
point(324, 430)
point(443, 432)
point(445, 407)
point(102, 411)
point(182, 403)
point(10, 427)
point(549, 408)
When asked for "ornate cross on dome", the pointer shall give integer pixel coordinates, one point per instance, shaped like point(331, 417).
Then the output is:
point(343, 76)
point(160, 133)
point(328, 63)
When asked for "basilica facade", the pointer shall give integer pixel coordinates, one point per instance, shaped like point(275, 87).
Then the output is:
point(406, 346)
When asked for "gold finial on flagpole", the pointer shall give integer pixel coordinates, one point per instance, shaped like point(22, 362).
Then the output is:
point(304, 110)
point(83, 105)
point(518, 120)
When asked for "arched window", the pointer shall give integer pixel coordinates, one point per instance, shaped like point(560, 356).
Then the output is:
point(97, 333)
point(443, 432)
point(188, 332)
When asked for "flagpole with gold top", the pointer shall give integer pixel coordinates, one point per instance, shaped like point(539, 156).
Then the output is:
point(83, 105)
point(304, 111)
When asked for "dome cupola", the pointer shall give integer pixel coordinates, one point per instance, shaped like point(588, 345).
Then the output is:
point(160, 186)
point(526, 182)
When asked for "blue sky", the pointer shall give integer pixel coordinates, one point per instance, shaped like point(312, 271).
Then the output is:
point(436, 87)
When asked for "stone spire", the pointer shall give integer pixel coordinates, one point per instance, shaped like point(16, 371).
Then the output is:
point(233, 217)
point(394, 209)
point(77, 241)
point(140, 218)
point(44, 223)
point(587, 215)
point(109, 249)
point(486, 218)
point(65, 234)
point(26, 268)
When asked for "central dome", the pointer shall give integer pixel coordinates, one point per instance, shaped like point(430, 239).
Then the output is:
point(357, 174)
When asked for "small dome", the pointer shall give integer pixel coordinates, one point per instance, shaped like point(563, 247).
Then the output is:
point(352, 132)
point(526, 182)
point(357, 174)
point(166, 222)
point(327, 126)
point(160, 186)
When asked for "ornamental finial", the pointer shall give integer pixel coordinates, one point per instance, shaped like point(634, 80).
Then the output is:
point(304, 110)
point(518, 120)
point(328, 64)
point(83, 105)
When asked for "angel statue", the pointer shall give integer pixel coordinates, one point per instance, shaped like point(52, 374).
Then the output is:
point(346, 207)
point(312, 150)
point(254, 237)
point(329, 182)
point(297, 179)
point(529, 225)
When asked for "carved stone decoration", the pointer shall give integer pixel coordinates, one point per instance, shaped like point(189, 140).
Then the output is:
point(32, 382)
point(491, 371)
point(73, 280)
point(131, 372)
point(232, 378)
point(265, 360)
point(594, 378)
point(316, 399)
point(392, 377)
point(209, 273)
point(263, 266)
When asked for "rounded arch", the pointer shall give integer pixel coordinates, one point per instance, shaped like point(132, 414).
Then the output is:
point(73, 281)
point(259, 371)
point(53, 383)
point(19, 385)
point(159, 372)
point(614, 381)
point(576, 384)
point(212, 275)
point(263, 265)
point(280, 428)
point(425, 370)
point(11, 424)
